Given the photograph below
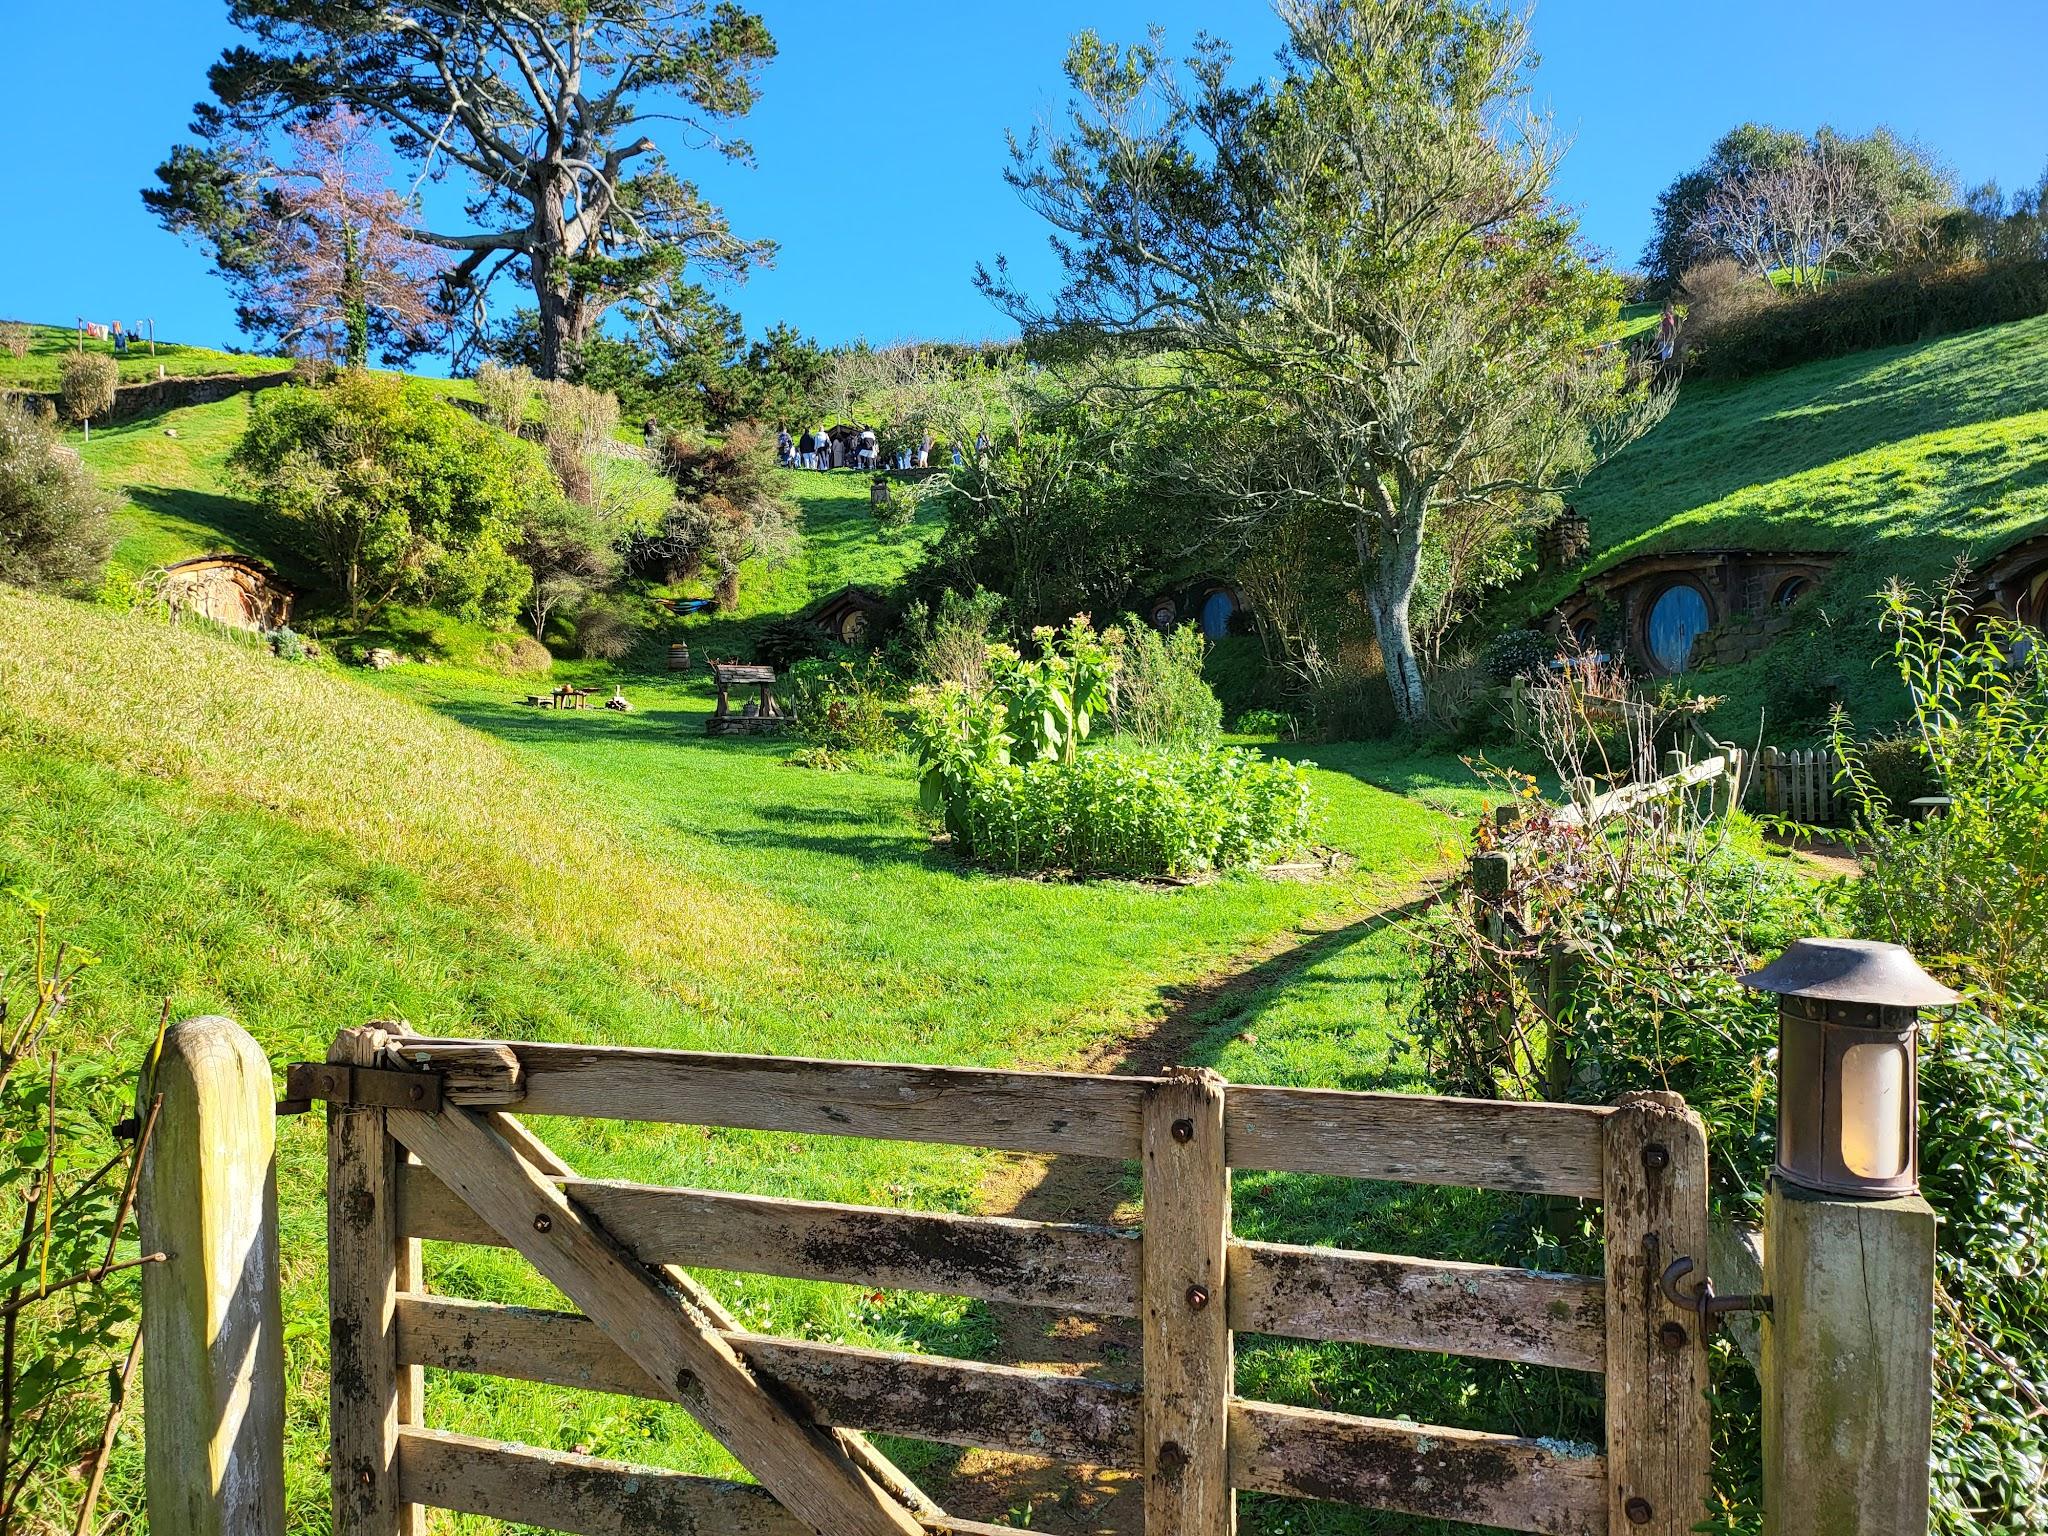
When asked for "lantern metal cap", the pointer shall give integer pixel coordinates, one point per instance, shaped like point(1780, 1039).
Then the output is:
point(1851, 971)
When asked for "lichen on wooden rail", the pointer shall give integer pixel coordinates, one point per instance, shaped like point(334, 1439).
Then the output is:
point(920, 1397)
point(1069, 1267)
point(1395, 1302)
point(1456, 1474)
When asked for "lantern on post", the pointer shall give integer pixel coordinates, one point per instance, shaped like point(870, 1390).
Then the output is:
point(1848, 1064)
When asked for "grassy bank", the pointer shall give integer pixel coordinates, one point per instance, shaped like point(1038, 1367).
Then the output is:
point(1900, 461)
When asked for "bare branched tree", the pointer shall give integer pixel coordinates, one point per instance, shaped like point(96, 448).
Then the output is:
point(1803, 218)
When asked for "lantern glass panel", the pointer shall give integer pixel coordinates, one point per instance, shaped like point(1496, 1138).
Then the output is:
point(1874, 1110)
point(1799, 1106)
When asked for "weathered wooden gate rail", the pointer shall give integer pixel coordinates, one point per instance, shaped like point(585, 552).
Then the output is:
point(1184, 1276)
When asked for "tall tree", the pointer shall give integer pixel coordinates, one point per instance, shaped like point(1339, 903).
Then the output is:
point(322, 258)
point(1356, 268)
point(544, 108)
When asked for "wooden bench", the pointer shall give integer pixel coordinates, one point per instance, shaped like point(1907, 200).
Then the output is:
point(767, 715)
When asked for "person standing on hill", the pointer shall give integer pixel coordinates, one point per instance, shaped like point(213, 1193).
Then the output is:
point(1667, 333)
point(785, 448)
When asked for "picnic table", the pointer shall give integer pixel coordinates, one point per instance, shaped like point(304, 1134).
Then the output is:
point(567, 696)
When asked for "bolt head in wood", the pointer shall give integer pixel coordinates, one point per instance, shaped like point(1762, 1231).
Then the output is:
point(1656, 1157)
point(1672, 1336)
point(543, 1222)
point(1183, 1130)
point(1198, 1297)
point(1638, 1511)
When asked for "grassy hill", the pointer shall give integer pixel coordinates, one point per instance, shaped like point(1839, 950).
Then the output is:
point(1903, 460)
point(302, 847)
point(38, 370)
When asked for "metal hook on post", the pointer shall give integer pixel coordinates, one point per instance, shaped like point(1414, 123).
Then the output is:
point(1701, 1301)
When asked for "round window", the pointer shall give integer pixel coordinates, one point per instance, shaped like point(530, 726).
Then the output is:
point(1790, 590)
point(1217, 609)
point(1164, 613)
point(1677, 618)
point(1585, 633)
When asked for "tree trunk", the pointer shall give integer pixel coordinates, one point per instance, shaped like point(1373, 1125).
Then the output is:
point(1390, 577)
point(562, 317)
point(355, 308)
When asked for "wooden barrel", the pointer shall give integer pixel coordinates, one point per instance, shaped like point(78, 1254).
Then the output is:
point(679, 657)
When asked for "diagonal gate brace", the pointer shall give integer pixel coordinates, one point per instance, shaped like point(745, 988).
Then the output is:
point(808, 1470)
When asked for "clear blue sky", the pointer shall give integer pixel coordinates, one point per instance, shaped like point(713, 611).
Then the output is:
point(880, 134)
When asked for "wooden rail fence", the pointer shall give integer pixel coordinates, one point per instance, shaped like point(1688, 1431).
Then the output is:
point(423, 1147)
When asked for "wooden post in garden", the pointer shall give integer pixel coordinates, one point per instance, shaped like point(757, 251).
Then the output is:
point(1848, 1364)
point(212, 1326)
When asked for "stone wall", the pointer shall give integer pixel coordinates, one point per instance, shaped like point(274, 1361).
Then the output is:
point(153, 396)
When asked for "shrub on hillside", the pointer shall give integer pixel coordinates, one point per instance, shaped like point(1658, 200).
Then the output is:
point(783, 643)
point(1161, 697)
point(574, 421)
point(730, 508)
point(14, 339)
point(86, 386)
point(54, 528)
point(1719, 293)
point(505, 393)
point(604, 632)
point(396, 493)
point(949, 643)
point(1854, 314)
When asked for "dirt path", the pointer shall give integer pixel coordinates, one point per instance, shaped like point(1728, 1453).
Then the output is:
point(1096, 1501)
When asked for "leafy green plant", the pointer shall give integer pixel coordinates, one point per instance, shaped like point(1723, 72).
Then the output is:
point(1161, 697)
point(1052, 701)
point(286, 645)
point(841, 708)
point(1967, 891)
point(69, 1336)
point(1268, 722)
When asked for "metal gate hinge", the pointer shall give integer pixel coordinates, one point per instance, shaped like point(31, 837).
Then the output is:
point(359, 1087)
point(1702, 1302)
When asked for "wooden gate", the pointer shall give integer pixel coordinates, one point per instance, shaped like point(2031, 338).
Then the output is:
point(422, 1146)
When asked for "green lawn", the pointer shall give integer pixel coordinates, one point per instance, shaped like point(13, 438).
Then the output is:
point(304, 849)
point(1902, 460)
point(39, 369)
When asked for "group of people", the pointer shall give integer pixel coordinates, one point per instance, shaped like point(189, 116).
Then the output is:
point(862, 450)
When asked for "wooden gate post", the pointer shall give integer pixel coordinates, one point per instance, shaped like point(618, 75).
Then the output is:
point(1848, 1369)
point(212, 1326)
point(368, 1263)
point(1654, 1204)
point(1185, 1318)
